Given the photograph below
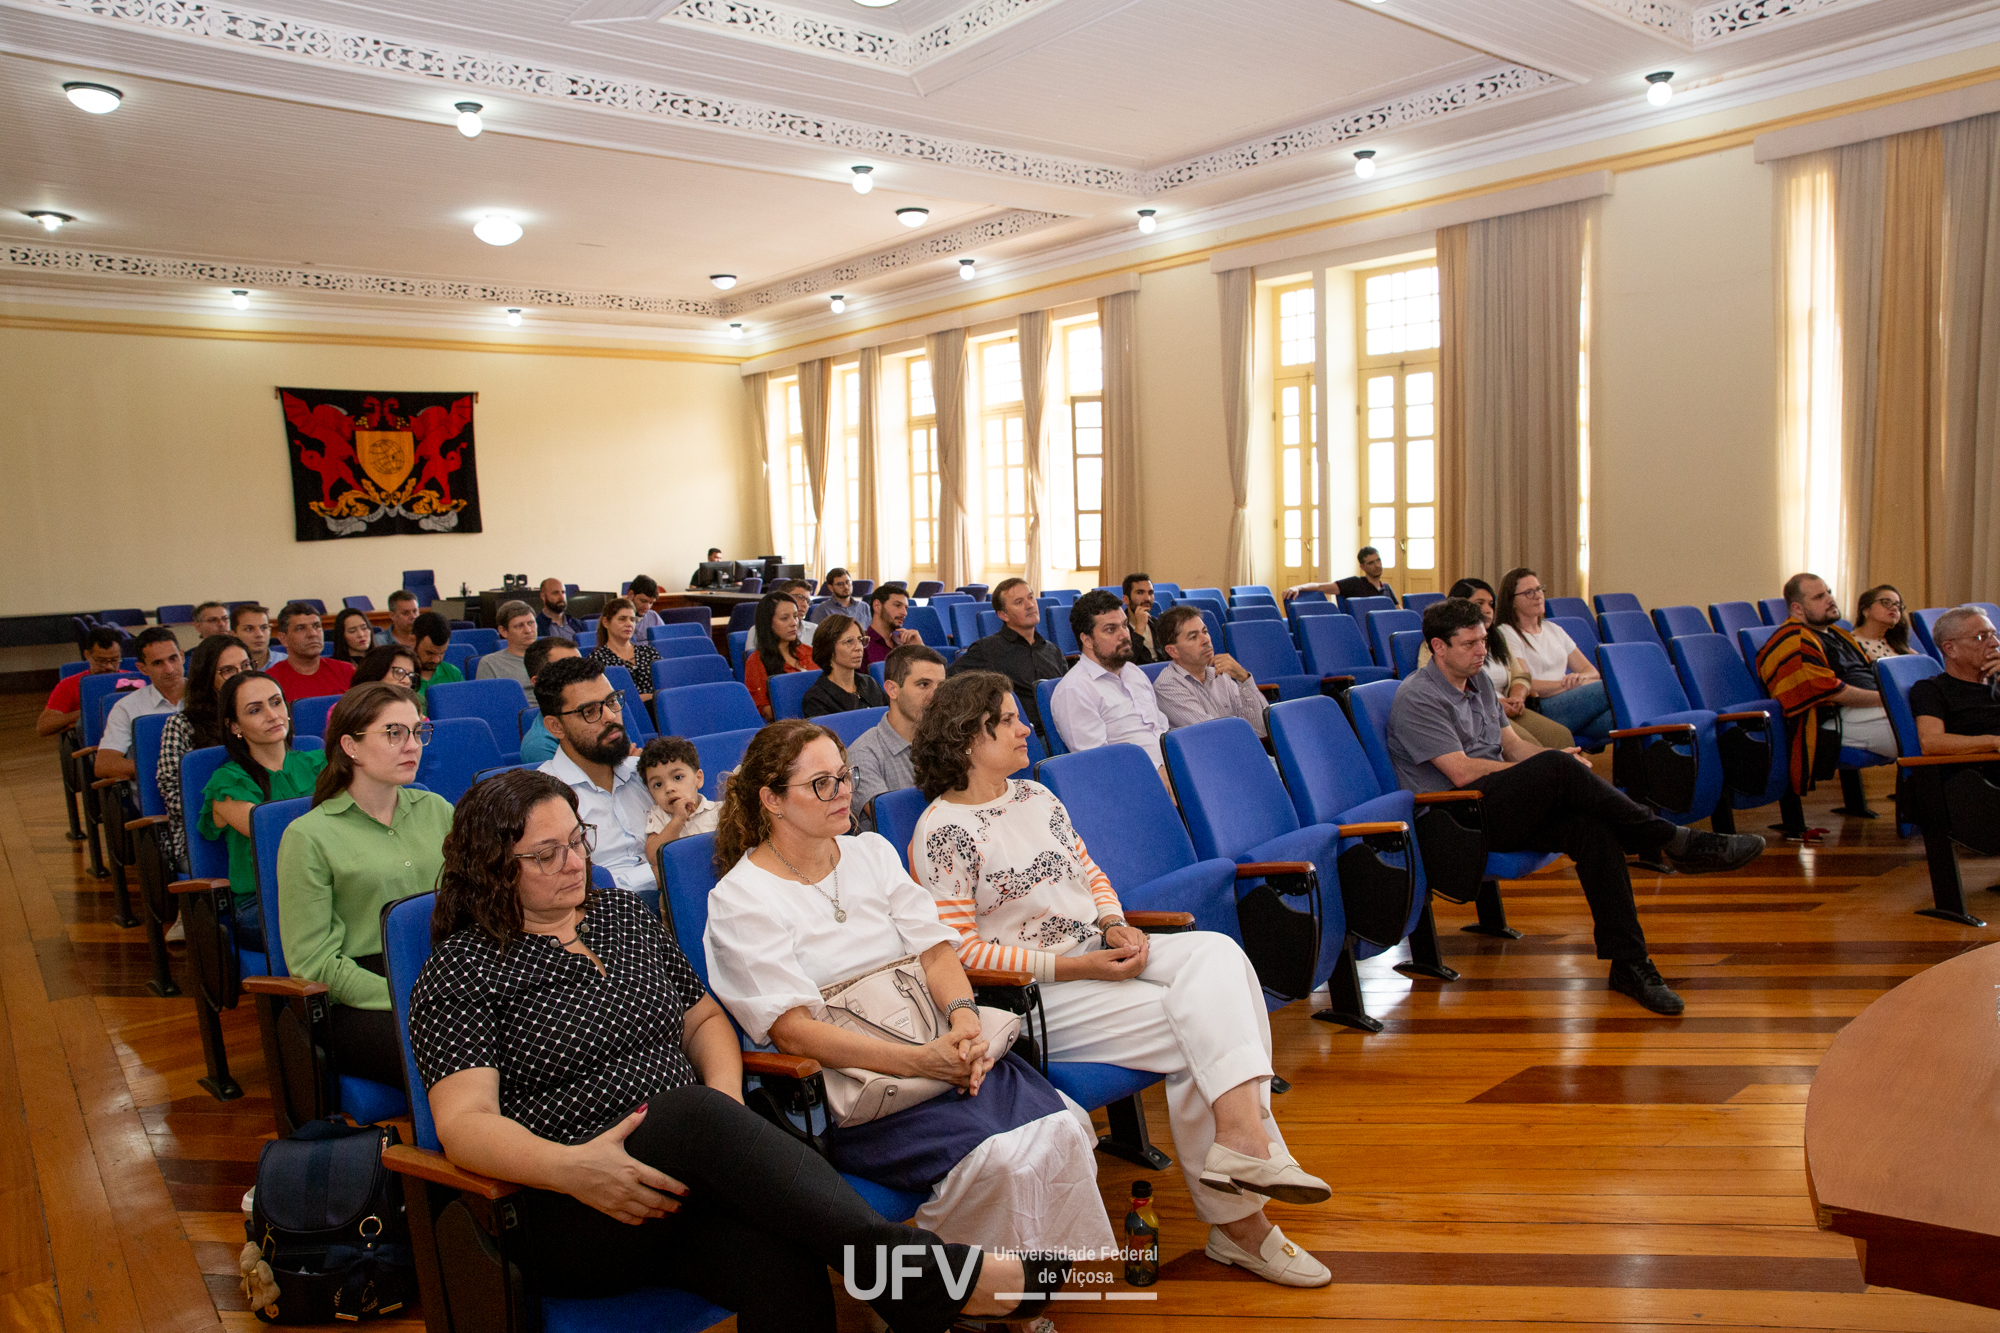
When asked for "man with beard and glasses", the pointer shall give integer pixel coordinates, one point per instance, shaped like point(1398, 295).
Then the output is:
point(582, 710)
point(1105, 700)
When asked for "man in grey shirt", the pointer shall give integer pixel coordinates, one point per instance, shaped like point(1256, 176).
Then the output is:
point(880, 756)
point(1202, 684)
point(517, 635)
point(1446, 731)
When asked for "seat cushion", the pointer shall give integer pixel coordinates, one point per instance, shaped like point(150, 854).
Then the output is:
point(366, 1102)
point(1516, 865)
point(896, 1205)
point(648, 1310)
point(1091, 1086)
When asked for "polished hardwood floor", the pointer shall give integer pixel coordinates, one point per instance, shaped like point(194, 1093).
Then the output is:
point(1519, 1151)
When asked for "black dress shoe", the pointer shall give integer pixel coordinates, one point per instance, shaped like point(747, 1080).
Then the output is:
point(1707, 853)
point(1641, 981)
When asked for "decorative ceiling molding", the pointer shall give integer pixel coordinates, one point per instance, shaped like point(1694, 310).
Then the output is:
point(944, 245)
point(1713, 22)
point(1663, 19)
point(796, 30)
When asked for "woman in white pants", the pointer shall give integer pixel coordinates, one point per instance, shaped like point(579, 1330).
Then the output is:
point(1012, 877)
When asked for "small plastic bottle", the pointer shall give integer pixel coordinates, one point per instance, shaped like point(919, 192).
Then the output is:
point(1142, 1237)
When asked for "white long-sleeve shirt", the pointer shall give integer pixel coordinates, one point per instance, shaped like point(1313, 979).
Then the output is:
point(1094, 707)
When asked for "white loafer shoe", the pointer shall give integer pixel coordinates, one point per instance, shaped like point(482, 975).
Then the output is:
point(1279, 1177)
point(1277, 1260)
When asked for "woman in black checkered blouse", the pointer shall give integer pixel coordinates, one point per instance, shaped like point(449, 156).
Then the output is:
point(568, 1046)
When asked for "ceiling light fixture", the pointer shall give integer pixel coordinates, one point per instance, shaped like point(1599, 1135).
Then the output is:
point(839, 304)
point(864, 179)
point(723, 281)
point(1364, 163)
point(966, 270)
point(912, 217)
point(469, 123)
point(240, 299)
point(1149, 218)
point(874, 4)
point(1660, 87)
point(50, 220)
point(96, 98)
point(736, 330)
point(514, 318)
point(497, 229)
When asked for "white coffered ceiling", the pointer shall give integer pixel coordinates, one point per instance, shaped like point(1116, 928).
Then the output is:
point(304, 148)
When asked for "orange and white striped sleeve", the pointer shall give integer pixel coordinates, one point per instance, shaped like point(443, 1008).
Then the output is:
point(946, 861)
point(1101, 891)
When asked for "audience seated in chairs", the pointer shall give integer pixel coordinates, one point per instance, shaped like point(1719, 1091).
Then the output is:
point(1104, 699)
point(433, 633)
point(644, 590)
point(801, 594)
point(598, 761)
point(262, 766)
point(1958, 711)
point(840, 600)
point(159, 655)
point(401, 629)
point(845, 683)
point(1882, 623)
point(1015, 883)
point(616, 625)
point(1016, 649)
point(1508, 674)
point(305, 671)
point(538, 743)
point(1560, 676)
point(553, 618)
point(352, 637)
point(881, 756)
point(670, 767)
point(774, 647)
point(517, 635)
point(336, 870)
point(1201, 684)
point(252, 624)
point(1137, 591)
point(801, 907)
point(103, 653)
point(198, 726)
point(1368, 583)
point(569, 1047)
point(889, 606)
point(1446, 732)
point(211, 618)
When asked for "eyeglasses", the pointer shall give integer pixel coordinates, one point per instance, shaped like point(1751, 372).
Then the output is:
point(403, 674)
point(396, 733)
point(549, 860)
point(593, 712)
point(1984, 636)
point(829, 785)
point(1535, 591)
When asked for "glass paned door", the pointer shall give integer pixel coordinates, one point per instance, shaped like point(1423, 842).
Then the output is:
point(1398, 406)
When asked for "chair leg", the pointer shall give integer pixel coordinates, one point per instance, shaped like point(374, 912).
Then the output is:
point(1128, 1139)
point(1492, 913)
point(152, 890)
point(1343, 989)
point(1853, 799)
point(1947, 889)
point(217, 1082)
point(75, 833)
point(1724, 818)
point(111, 818)
point(92, 838)
point(1425, 960)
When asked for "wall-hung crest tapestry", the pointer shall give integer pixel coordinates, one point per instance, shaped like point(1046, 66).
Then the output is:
point(378, 464)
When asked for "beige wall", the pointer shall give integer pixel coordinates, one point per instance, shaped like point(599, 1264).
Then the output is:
point(1185, 469)
point(154, 470)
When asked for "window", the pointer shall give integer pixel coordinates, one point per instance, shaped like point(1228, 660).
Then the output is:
point(798, 497)
point(1077, 489)
point(1813, 515)
point(1297, 435)
point(923, 466)
point(1400, 336)
point(1003, 456)
point(848, 473)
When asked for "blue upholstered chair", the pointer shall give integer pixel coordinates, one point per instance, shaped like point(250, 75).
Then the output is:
point(1405, 650)
point(788, 692)
point(460, 748)
point(1750, 729)
point(637, 717)
point(702, 710)
point(1265, 648)
point(1616, 601)
point(853, 724)
point(1950, 798)
point(1728, 617)
point(497, 702)
point(701, 669)
point(1333, 647)
point(1418, 601)
point(1665, 756)
point(1674, 621)
point(1627, 627)
point(1382, 624)
point(1568, 606)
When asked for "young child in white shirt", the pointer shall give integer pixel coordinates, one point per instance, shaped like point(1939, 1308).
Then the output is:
point(670, 766)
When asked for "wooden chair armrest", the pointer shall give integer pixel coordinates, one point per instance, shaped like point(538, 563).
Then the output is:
point(1336, 680)
point(1631, 733)
point(1373, 829)
point(197, 885)
point(1935, 760)
point(291, 987)
point(83, 751)
point(1160, 921)
point(1443, 797)
point(408, 1160)
point(1268, 691)
point(1754, 715)
point(101, 783)
point(988, 976)
point(780, 1064)
point(144, 821)
point(1261, 869)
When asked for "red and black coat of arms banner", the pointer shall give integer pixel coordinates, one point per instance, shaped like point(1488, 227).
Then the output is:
point(379, 464)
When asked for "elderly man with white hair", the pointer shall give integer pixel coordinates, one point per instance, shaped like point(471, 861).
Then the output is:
point(1958, 710)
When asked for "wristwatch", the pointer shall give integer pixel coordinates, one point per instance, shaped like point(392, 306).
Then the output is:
point(956, 1005)
point(1110, 924)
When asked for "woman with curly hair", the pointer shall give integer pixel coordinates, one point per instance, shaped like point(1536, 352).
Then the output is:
point(1014, 882)
point(800, 908)
point(568, 1046)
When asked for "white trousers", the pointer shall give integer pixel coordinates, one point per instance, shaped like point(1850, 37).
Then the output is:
point(1868, 729)
point(1196, 1014)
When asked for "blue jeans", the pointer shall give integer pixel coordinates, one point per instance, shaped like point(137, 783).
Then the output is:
point(1584, 710)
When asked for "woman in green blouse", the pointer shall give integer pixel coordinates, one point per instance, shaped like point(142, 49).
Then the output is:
point(368, 840)
point(262, 766)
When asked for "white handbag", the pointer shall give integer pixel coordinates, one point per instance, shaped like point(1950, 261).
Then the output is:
point(893, 1003)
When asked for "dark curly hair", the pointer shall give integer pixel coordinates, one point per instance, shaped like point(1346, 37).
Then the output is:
point(476, 883)
point(202, 703)
point(963, 706)
point(773, 752)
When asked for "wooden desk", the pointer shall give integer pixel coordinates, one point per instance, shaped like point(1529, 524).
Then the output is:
point(1903, 1133)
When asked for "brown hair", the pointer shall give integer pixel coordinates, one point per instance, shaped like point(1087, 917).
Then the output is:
point(1898, 636)
point(614, 606)
point(963, 706)
point(353, 715)
point(1168, 627)
point(742, 823)
point(827, 636)
point(777, 657)
point(1503, 601)
point(476, 884)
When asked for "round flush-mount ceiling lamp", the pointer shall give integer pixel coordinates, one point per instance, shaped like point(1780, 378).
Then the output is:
point(469, 123)
point(1364, 163)
point(50, 220)
point(514, 317)
point(97, 98)
point(874, 4)
point(736, 330)
point(864, 179)
point(913, 217)
point(838, 304)
point(240, 299)
point(723, 281)
point(497, 229)
point(967, 269)
point(1149, 218)
point(1660, 87)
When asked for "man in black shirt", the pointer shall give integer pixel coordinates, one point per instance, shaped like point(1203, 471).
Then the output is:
point(1017, 651)
point(1368, 583)
point(1139, 617)
point(1958, 712)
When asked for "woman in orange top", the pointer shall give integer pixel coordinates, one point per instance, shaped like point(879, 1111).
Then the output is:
point(778, 648)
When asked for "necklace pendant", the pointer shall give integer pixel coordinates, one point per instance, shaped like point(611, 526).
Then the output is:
point(839, 915)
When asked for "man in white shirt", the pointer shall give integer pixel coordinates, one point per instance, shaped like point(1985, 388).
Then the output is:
point(160, 658)
point(1105, 700)
point(1203, 684)
point(585, 715)
point(517, 635)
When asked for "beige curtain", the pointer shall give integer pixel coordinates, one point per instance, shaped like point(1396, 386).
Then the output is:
point(1237, 295)
point(815, 406)
point(1512, 391)
point(1904, 493)
point(1965, 531)
point(868, 560)
point(946, 354)
point(757, 388)
point(1032, 333)
point(1124, 541)
point(1452, 512)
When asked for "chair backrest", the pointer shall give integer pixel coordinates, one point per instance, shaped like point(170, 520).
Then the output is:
point(1641, 683)
point(1253, 599)
point(1923, 625)
point(1333, 644)
point(703, 710)
point(941, 600)
point(1045, 693)
point(1568, 606)
point(483, 641)
point(880, 670)
point(146, 733)
point(586, 640)
point(852, 725)
point(1153, 670)
point(314, 602)
point(1230, 795)
point(926, 621)
point(1417, 601)
point(1255, 611)
point(497, 701)
point(1055, 626)
point(1582, 632)
point(406, 947)
point(1325, 769)
point(1406, 646)
point(1120, 808)
point(1265, 648)
point(739, 653)
point(637, 718)
point(1627, 627)
point(927, 588)
point(687, 874)
point(1068, 596)
point(134, 616)
point(1674, 621)
point(1382, 624)
point(1752, 640)
point(1248, 589)
point(1370, 704)
point(742, 616)
point(1299, 608)
point(1214, 593)
point(268, 823)
point(1616, 601)
point(1309, 595)
point(92, 691)
point(1897, 675)
point(788, 693)
point(462, 656)
point(985, 623)
point(179, 613)
point(68, 669)
point(1712, 669)
point(206, 860)
point(980, 591)
point(684, 645)
point(679, 629)
point(460, 747)
point(896, 816)
point(965, 621)
point(1362, 607)
point(357, 603)
point(1725, 618)
point(720, 753)
point(309, 715)
point(861, 587)
point(702, 669)
point(1775, 610)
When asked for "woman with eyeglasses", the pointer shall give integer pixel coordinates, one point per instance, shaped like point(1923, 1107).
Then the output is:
point(389, 661)
point(262, 766)
point(1559, 676)
point(1004, 1158)
point(196, 727)
point(1880, 625)
point(369, 840)
point(568, 1046)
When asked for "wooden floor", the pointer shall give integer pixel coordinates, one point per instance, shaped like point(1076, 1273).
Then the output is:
point(1518, 1151)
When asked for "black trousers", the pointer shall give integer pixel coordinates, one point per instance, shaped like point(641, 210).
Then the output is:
point(1551, 803)
point(764, 1218)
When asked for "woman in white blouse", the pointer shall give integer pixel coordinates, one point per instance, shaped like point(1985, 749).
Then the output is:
point(1006, 1158)
point(1014, 880)
point(1509, 676)
point(1559, 674)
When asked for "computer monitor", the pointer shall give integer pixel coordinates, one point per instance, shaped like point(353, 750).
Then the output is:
point(786, 571)
point(717, 573)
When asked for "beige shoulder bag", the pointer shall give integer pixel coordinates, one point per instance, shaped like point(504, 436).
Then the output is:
point(893, 1003)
